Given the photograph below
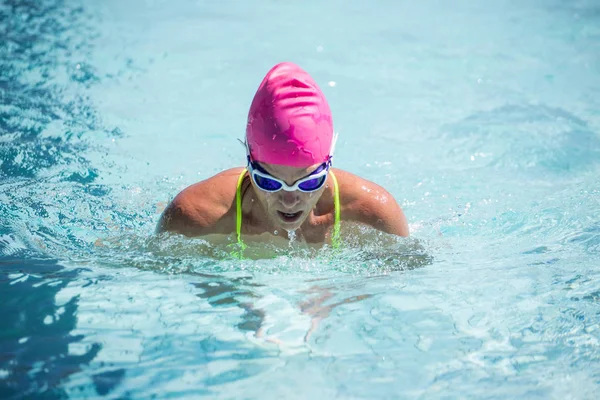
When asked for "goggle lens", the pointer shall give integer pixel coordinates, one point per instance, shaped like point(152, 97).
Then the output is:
point(270, 185)
point(313, 184)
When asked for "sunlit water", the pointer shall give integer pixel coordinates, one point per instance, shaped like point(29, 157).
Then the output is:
point(481, 118)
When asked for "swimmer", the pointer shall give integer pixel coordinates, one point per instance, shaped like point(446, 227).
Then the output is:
point(288, 188)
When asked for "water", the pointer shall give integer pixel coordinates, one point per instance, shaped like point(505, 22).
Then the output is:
point(483, 120)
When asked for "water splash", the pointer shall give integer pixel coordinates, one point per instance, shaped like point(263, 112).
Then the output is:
point(292, 236)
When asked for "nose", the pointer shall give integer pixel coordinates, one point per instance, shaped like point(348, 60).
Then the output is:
point(289, 199)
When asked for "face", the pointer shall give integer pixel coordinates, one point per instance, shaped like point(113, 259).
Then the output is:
point(286, 209)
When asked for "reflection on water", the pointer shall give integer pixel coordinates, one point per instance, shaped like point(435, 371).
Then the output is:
point(35, 331)
point(313, 304)
point(235, 292)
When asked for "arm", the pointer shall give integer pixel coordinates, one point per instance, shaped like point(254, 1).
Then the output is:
point(203, 208)
point(381, 211)
point(370, 204)
point(173, 218)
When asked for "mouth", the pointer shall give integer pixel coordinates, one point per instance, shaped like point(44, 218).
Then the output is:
point(289, 217)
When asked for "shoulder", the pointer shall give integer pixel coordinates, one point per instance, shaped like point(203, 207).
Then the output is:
point(369, 203)
point(204, 207)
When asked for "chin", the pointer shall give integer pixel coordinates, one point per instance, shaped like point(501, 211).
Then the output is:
point(289, 226)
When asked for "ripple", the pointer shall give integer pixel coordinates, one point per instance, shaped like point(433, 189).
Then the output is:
point(42, 125)
point(588, 237)
point(535, 139)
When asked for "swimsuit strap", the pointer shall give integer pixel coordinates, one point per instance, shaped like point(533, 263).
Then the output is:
point(238, 207)
point(335, 238)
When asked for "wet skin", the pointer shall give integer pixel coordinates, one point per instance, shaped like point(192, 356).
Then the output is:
point(207, 208)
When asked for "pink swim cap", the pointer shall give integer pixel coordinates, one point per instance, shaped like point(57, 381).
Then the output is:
point(289, 122)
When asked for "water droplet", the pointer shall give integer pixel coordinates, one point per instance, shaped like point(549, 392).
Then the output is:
point(292, 236)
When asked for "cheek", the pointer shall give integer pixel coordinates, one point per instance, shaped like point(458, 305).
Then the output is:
point(263, 198)
point(270, 199)
point(311, 198)
point(306, 197)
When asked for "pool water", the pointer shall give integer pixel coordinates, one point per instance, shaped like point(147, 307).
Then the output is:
point(481, 118)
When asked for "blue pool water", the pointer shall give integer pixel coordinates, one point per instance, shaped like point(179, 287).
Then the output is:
point(481, 118)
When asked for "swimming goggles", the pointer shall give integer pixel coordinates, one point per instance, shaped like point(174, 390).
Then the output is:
point(311, 183)
point(269, 183)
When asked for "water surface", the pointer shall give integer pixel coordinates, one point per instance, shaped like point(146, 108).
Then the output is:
point(482, 120)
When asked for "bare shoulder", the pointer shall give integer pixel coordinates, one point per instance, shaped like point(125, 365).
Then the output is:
point(369, 203)
point(203, 208)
